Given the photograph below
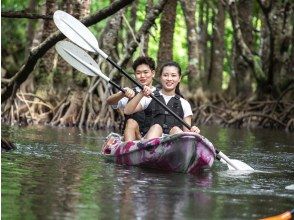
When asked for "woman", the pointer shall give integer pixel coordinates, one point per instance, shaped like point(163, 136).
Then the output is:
point(162, 121)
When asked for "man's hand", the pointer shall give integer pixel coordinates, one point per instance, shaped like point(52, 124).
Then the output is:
point(129, 93)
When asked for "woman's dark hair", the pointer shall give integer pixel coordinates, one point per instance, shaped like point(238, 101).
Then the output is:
point(144, 60)
point(174, 64)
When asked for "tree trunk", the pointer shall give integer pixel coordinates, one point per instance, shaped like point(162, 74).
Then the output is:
point(189, 9)
point(110, 39)
point(215, 74)
point(45, 75)
point(279, 16)
point(204, 38)
point(79, 9)
point(253, 60)
point(28, 85)
point(241, 67)
point(109, 42)
point(84, 8)
point(264, 43)
point(146, 37)
point(133, 17)
point(30, 28)
point(167, 25)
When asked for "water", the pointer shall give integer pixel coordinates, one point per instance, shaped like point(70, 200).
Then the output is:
point(57, 173)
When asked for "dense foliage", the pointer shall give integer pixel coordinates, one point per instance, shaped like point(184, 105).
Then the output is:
point(244, 49)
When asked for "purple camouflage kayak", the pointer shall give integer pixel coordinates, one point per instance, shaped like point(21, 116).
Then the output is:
point(185, 152)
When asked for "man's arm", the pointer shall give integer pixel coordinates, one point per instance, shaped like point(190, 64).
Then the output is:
point(114, 99)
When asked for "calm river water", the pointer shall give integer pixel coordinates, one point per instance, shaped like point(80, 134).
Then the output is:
point(58, 173)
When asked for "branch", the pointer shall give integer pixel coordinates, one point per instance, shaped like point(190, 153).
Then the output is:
point(38, 52)
point(24, 14)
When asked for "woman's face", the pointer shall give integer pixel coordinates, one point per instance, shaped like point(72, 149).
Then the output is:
point(144, 74)
point(170, 78)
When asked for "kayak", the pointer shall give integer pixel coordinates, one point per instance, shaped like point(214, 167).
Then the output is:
point(184, 152)
point(288, 215)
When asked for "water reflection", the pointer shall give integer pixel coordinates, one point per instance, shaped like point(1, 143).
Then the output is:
point(142, 193)
point(46, 187)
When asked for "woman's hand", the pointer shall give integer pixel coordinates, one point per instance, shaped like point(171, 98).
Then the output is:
point(146, 91)
point(195, 129)
point(129, 93)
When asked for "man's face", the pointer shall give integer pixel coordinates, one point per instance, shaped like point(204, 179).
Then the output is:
point(144, 74)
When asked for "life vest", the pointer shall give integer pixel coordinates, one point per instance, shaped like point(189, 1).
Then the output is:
point(143, 121)
point(162, 117)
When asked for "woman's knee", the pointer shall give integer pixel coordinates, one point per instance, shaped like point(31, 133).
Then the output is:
point(154, 132)
point(131, 123)
point(175, 130)
point(157, 127)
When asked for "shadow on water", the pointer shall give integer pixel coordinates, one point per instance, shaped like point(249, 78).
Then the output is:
point(58, 173)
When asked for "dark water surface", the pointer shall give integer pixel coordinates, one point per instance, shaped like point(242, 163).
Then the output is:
point(58, 173)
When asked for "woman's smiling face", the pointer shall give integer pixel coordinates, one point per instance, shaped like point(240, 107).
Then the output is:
point(170, 78)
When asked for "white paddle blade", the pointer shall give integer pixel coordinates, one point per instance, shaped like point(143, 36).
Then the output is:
point(238, 165)
point(233, 164)
point(241, 165)
point(79, 59)
point(74, 30)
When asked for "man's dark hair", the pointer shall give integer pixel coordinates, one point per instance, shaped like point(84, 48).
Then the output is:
point(144, 60)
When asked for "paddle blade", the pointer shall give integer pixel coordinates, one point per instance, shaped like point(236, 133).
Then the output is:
point(74, 30)
point(78, 58)
point(233, 164)
point(240, 165)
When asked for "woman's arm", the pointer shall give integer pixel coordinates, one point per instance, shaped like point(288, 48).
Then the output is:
point(188, 120)
point(134, 104)
point(114, 99)
point(194, 128)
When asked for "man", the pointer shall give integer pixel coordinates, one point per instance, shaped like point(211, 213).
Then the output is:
point(136, 125)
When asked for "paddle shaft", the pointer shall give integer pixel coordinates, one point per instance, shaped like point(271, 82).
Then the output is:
point(151, 95)
point(117, 86)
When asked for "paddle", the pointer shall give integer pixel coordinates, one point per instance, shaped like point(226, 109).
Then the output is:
point(82, 36)
point(82, 61)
